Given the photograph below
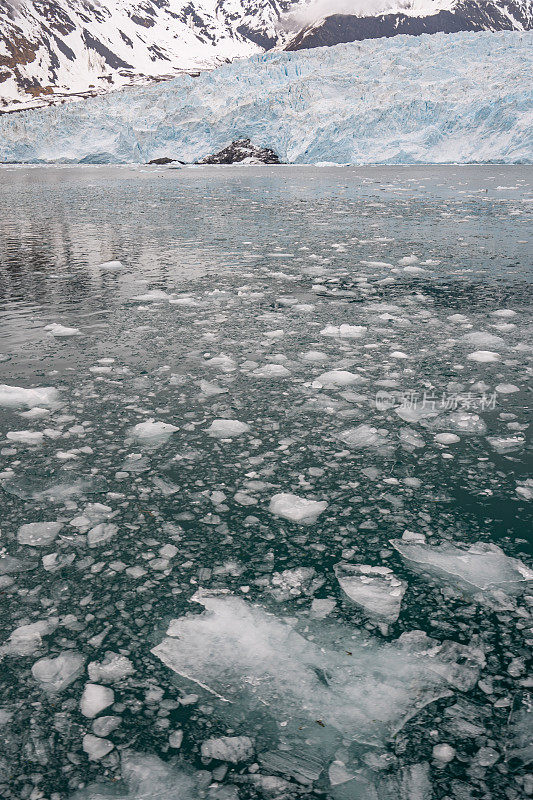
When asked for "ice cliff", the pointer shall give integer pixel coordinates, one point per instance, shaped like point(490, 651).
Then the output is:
point(462, 98)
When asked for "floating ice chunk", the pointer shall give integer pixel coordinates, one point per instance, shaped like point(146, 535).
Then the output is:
point(222, 362)
point(504, 313)
point(483, 339)
point(146, 778)
point(415, 412)
point(55, 329)
point(295, 508)
point(460, 421)
point(211, 389)
point(506, 444)
point(321, 607)
point(95, 747)
point(111, 266)
point(35, 413)
point(38, 534)
point(25, 437)
point(344, 331)
point(92, 514)
point(295, 583)
point(227, 428)
point(414, 270)
point(101, 533)
point(443, 753)
point(27, 639)
point(376, 589)
point(228, 748)
point(314, 356)
point(362, 436)
point(152, 431)
point(398, 354)
point(484, 356)
point(153, 295)
point(95, 698)
point(460, 319)
point(17, 397)
point(114, 667)
point(525, 490)
point(336, 377)
point(272, 371)
point(55, 674)
point(406, 260)
point(447, 438)
point(476, 566)
point(259, 665)
point(410, 438)
point(507, 388)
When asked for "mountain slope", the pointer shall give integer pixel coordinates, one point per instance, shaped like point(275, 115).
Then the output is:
point(52, 48)
point(407, 99)
point(415, 18)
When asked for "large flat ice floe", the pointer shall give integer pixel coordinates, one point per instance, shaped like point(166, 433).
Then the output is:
point(291, 673)
point(407, 99)
point(479, 567)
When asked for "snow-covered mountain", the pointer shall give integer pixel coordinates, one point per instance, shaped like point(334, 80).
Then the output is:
point(386, 18)
point(53, 48)
point(407, 99)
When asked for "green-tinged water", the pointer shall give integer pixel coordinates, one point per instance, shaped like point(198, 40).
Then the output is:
point(368, 333)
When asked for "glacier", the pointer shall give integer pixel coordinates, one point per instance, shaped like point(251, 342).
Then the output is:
point(462, 98)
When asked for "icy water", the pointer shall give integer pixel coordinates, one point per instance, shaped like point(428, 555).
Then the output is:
point(264, 483)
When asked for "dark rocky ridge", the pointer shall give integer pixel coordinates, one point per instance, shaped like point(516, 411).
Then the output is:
point(467, 15)
point(241, 150)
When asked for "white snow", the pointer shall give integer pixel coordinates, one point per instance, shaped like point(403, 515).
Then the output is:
point(95, 698)
point(295, 508)
point(227, 428)
point(38, 534)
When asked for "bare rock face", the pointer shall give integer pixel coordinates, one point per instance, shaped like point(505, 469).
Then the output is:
point(242, 151)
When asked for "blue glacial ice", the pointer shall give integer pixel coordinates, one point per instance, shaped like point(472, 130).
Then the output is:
point(436, 99)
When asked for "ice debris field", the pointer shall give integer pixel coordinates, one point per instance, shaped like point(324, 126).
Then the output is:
point(265, 495)
point(430, 99)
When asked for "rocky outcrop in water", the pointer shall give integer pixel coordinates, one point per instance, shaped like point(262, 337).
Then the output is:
point(242, 151)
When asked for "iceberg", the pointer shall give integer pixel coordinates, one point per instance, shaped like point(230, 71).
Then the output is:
point(408, 99)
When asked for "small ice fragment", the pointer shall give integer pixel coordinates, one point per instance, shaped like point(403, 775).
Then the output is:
point(152, 431)
point(114, 667)
point(55, 674)
point(228, 748)
point(272, 371)
point(506, 444)
point(344, 331)
point(406, 260)
point(103, 726)
point(443, 753)
point(17, 397)
point(38, 534)
point(507, 388)
point(504, 313)
point(55, 329)
point(294, 583)
point(153, 295)
point(295, 508)
point(447, 438)
point(483, 339)
point(362, 436)
point(336, 377)
point(26, 639)
point(111, 266)
point(484, 356)
point(376, 589)
point(95, 698)
point(25, 437)
point(175, 740)
point(227, 428)
point(95, 747)
point(101, 533)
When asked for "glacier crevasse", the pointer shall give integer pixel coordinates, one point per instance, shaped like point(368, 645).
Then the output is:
point(460, 98)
